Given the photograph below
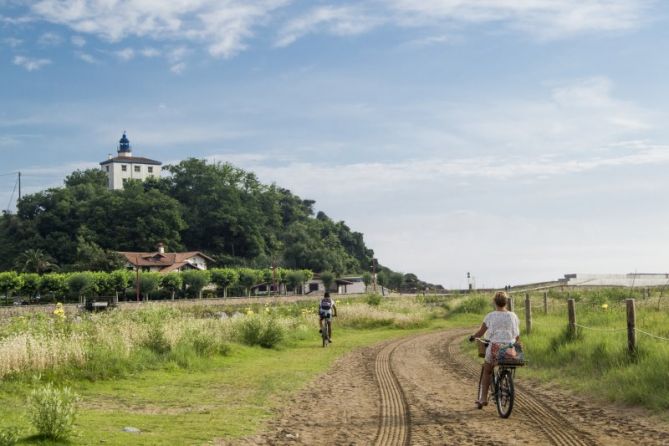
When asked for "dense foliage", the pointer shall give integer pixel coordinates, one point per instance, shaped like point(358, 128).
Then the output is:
point(219, 209)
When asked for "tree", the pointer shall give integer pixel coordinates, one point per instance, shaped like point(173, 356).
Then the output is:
point(248, 278)
point(171, 282)
point(148, 283)
point(195, 281)
point(81, 284)
point(91, 257)
point(328, 279)
point(93, 177)
point(367, 279)
point(294, 278)
point(10, 282)
point(120, 280)
point(224, 278)
point(53, 285)
point(395, 281)
point(30, 285)
point(35, 261)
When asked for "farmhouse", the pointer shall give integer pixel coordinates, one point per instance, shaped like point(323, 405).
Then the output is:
point(165, 262)
point(124, 166)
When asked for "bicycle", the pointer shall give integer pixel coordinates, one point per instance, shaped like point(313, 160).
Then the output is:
point(501, 388)
point(326, 330)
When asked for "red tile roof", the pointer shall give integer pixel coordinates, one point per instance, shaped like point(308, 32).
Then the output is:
point(169, 261)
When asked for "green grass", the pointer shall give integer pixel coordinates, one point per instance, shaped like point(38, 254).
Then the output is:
point(176, 389)
point(219, 397)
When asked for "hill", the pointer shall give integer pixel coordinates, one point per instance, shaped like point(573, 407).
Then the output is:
point(218, 208)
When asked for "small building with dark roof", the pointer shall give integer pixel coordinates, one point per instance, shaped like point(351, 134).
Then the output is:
point(125, 166)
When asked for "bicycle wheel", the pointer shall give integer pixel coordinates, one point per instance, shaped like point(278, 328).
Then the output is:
point(504, 400)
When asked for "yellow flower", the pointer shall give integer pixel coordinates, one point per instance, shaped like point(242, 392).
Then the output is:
point(249, 312)
point(605, 306)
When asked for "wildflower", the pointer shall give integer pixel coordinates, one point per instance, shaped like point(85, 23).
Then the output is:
point(249, 312)
point(59, 312)
point(605, 306)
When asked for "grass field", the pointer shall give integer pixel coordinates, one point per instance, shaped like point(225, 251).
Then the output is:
point(161, 379)
point(189, 375)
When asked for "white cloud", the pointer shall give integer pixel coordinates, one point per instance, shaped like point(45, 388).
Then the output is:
point(544, 18)
point(336, 20)
point(125, 54)
point(178, 68)
point(222, 25)
point(12, 42)
point(50, 39)
point(30, 64)
point(87, 58)
point(150, 52)
point(78, 41)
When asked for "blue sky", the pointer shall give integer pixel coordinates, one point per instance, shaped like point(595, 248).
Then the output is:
point(518, 140)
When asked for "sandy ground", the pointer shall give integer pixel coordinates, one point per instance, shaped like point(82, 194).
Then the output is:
point(420, 391)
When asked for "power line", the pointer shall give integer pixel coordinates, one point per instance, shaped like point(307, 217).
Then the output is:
point(11, 197)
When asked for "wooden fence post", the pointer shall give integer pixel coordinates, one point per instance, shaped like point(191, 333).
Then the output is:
point(545, 302)
point(631, 326)
point(510, 304)
point(571, 310)
point(528, 314)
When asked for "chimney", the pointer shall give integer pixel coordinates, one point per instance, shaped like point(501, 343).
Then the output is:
point(161, 248)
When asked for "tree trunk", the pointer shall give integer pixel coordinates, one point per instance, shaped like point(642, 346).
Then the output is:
point(225, 292)
point(173, 293)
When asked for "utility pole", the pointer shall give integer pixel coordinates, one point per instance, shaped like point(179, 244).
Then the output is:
point(19, 186)
point(374, 274)
point(137, 278)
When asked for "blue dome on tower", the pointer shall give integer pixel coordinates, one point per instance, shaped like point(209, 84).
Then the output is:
point(124, 144)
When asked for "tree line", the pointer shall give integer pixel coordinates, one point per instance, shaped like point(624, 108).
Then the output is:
point(216, 208)
point(123, 284)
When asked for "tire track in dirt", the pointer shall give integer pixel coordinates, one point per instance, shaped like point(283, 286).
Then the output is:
point(394, 420)
point(558, 430)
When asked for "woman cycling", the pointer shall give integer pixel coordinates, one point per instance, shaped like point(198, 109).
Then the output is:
point(502, 329)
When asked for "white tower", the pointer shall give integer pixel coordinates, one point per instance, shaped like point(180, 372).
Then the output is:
point(126, 167)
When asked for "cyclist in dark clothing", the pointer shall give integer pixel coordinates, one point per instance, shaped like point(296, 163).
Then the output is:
point(326, 310)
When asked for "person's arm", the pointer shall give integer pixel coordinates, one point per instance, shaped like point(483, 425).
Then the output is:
point(334, 310)
point(479, 333)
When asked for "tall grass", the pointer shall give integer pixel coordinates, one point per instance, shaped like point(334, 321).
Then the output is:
point(596, 360)
point(104, 345)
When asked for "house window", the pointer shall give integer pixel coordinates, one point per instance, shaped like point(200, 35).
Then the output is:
point(150, 168)
point(137, 168)
point(124, 167)
point(107, 169)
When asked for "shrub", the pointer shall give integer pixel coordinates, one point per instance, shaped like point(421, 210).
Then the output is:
point(263, 331)
point(9, 436)
point(52, 411)
point(373, 300)
point(156, 340)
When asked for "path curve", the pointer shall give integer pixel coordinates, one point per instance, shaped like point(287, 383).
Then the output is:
point(420, 390)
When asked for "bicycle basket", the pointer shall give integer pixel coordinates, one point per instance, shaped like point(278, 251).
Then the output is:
point(481, 346)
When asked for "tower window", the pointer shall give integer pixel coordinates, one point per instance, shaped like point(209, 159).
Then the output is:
point(137, 168)
point(124, 167)
point(107, 169)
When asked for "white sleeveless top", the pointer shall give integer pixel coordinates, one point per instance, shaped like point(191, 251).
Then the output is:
point(502, 326)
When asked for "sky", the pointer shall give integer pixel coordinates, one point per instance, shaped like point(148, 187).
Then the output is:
point(518, 140)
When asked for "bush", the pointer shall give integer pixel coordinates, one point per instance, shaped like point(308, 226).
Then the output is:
point(156, 340)
point(265, 332)
point(52, 411)
point(374, 300)
point(9, 436)
point(474, 304)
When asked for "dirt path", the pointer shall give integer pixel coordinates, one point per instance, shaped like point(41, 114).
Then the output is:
point(420, 391)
